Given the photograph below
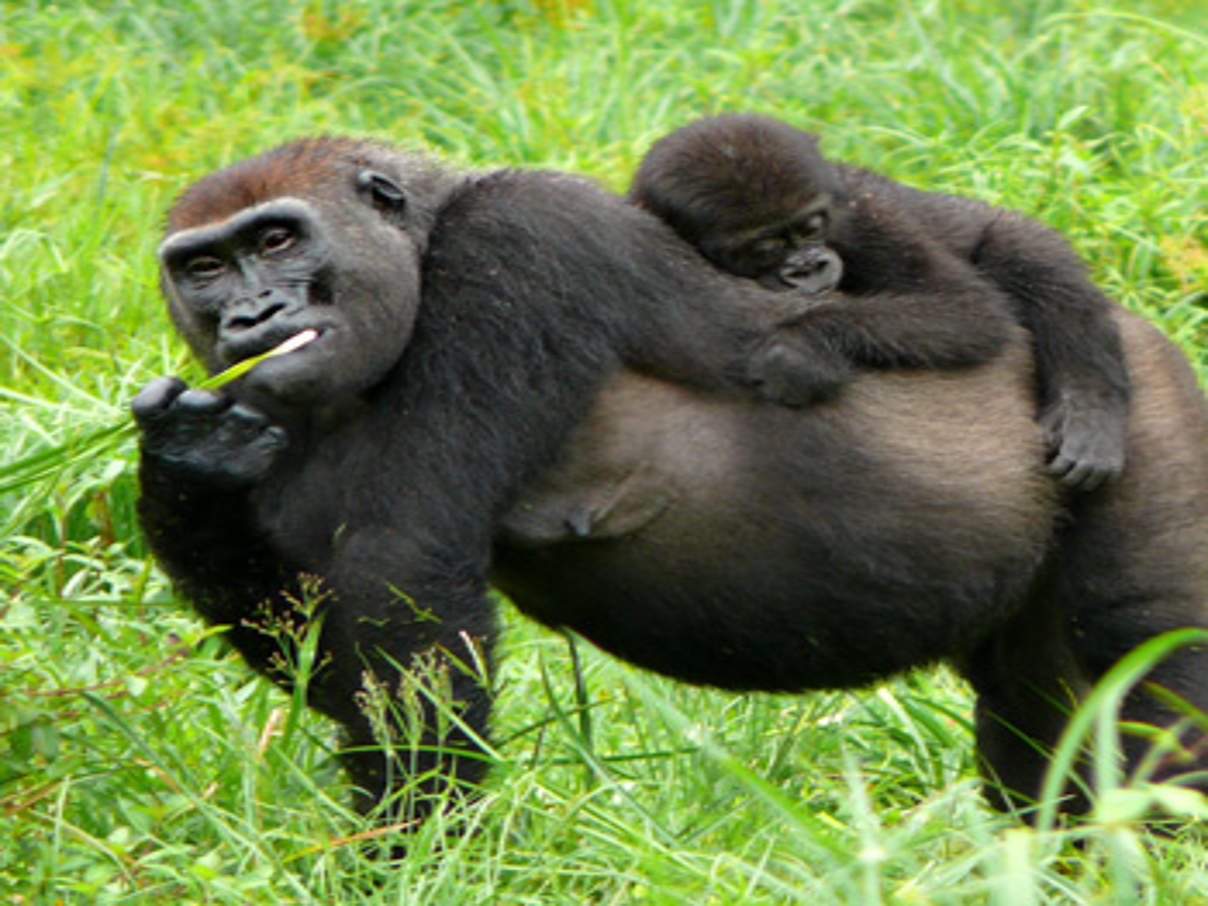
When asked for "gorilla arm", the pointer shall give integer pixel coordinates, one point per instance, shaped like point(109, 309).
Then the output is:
point(906, 302)
point(199, 459)
point(247, 561)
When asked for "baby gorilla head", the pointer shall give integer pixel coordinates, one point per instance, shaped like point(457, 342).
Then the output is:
point(752, 194)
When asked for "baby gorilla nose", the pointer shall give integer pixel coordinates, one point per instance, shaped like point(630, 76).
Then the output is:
point(812, 269)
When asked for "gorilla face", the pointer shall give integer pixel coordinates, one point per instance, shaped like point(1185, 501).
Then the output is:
point(243, 284)
point(788, 255)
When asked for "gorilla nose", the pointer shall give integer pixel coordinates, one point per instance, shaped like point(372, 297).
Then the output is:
point(248, 313)
point(814, 270)
point(806, 270)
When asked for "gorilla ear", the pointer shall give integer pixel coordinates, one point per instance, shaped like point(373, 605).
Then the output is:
point(385, 194)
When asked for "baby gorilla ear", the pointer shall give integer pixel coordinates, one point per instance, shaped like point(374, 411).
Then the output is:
point(386, 195)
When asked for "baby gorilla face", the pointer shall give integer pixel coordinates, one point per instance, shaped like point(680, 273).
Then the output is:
point(789, 259)
point(790, 255)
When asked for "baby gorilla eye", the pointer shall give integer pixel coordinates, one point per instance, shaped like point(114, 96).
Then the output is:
point(816, 222)
point(812, 228)
point(770, 245)
point(765, 253)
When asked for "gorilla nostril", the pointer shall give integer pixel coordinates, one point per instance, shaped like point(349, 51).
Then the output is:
point(270, 312)
point(252, 316)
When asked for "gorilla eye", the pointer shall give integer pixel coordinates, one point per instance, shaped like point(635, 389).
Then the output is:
point(765, 246)
point(815, 224)
point(204, 267)
point(768, 249)
point(276, 239)
point(810, 228)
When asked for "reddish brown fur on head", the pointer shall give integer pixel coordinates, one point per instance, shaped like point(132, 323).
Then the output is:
point(305, 168)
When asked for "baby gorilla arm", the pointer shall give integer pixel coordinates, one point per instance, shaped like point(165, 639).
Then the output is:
point(944, 315)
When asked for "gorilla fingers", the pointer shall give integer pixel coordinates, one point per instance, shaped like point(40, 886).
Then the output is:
point(205, 434)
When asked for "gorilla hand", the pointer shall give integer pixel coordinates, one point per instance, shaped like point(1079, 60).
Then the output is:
point(788, 370)
point(1086, 444)
point(205, 436)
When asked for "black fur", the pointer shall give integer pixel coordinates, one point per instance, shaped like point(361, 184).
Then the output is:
point(394, 470)
point(523, 378)
point(759, 200)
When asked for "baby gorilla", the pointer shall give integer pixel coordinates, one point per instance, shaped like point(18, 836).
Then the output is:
point(756, 197)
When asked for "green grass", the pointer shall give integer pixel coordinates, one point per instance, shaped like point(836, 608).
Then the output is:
point(139, 761)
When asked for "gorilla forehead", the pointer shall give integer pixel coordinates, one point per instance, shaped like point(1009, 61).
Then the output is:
point(318, 168)
point(308, 167)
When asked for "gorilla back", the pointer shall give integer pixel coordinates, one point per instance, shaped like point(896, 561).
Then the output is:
point(758, 547)
point(519, 375)
point(755, 547)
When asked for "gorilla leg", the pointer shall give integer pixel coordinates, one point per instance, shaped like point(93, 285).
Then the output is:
point(1117, 600)
point(1028, 682)
point(1109, 631)
point(1134, 558)
point(407, 676)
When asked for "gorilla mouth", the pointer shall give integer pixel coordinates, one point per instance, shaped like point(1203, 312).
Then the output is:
point(242, 366)
point(292, 343)
point(275, 341)
point(297, 341)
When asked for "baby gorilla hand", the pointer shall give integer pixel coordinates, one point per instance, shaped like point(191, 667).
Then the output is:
point(790, 371)
point(1086, 445)
point(204, 436)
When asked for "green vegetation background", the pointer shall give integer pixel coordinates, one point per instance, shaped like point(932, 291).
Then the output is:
point(139, 762)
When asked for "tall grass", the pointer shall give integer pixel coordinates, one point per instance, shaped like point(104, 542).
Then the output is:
point(140, 763)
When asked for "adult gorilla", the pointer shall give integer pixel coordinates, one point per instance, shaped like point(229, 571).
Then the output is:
point(516, 375)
